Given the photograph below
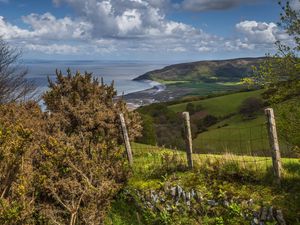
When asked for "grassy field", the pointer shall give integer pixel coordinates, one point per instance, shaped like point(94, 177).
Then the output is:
point(202, 88)
point(235, 135)
point(233, 178)
point(220, 106)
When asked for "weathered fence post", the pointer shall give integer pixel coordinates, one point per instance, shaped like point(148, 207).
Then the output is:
point(274, 144)
point(126, 139)
point(188, 139)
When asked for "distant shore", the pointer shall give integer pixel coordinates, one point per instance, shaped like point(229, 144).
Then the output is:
point(158, 93)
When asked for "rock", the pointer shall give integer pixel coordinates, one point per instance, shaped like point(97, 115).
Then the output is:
point(183, 196)
point(154, 196)
point(193, 193)
point(188, 196)
point(279, 217)
point(226, 203)
point(263, 213)
point(168, 207)
point(179, 191)
point(250, 202)
point(255, 221)
point(212, 202)
point(173, 192)
point(270, 216)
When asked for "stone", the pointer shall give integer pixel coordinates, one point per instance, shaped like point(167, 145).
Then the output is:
point(193, 193)
point(183, 196)
point(168, 207)
point(255, 220)
point(188, 196)
point(179, 191)
point(154, 196)
point(270, 216)
point(226, 203)
point(263, 213)
point(173, 192)
point(250, 202)
point(212, 202)
point(279, 217)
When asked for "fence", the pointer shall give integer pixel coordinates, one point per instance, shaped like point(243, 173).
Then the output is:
point(255, 147)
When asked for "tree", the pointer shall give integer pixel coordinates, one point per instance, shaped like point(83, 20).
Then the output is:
point(148, 133)
point(190, 107)
point(13, 83)
point(251, 106)
point(279, 75)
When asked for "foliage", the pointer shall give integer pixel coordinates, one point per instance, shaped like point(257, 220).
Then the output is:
point(288, 122)
point(192, 109)
point(167, 124)
point(63, 166)
point(13, 83)
point(240, 190)
point(19, 127)
point(148, 133)
point(280, 73)
point(250, 107)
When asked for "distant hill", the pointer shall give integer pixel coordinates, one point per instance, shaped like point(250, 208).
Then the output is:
point(230, 70)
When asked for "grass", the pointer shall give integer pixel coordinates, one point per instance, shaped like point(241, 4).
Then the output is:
point(202, 88)
point(222, 105)
point(216, 177)
point(235, 135)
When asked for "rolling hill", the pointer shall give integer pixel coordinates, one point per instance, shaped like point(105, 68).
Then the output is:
point(231, 70)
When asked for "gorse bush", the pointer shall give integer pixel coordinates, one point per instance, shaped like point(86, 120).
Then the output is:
point(67, 163)
point(18, 144)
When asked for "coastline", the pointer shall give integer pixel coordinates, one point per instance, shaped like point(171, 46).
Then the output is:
point(158, 93)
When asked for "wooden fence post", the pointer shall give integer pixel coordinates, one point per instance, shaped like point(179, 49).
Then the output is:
point(126, 139)
point(188, 139)
point(274, 144)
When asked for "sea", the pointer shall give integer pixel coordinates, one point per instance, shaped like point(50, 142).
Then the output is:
point(121, 72)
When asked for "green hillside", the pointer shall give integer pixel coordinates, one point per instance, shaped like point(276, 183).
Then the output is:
point(222, 105)
point(156, 171)
point(206, 71)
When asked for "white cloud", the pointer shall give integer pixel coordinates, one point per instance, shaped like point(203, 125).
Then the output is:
point(46, 26)
point(259, 32)
point(53, 49)
point(121, 27)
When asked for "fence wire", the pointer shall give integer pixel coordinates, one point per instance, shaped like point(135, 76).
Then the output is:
point(225, 148)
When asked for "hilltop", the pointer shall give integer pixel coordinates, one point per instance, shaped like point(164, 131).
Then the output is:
point(231, 70)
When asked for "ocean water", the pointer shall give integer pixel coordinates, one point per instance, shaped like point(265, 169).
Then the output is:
point(122, 72)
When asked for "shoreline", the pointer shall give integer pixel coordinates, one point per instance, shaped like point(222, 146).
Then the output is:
point(158, 93)
point(144, 97)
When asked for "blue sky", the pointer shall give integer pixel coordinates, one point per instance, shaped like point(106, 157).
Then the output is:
point(141, 29)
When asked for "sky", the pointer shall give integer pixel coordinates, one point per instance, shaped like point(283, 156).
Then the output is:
point(161, 30)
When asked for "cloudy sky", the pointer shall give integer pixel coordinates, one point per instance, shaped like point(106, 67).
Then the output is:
point(141, 29)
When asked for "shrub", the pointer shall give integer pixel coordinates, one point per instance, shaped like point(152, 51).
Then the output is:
point(192, 108)
point(80, 165)
point(63, 166)
point(19, 129)
point(148, 133)
point(250, 107)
